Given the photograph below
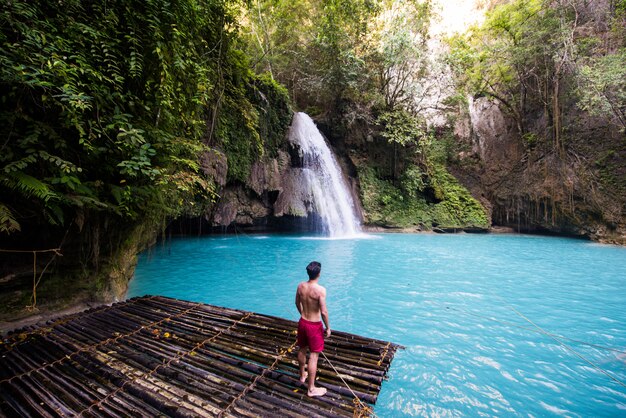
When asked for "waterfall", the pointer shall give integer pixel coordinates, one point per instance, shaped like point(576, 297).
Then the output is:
point(323, 180)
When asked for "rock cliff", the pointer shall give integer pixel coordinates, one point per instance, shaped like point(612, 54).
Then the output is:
point(271, 198)
point(532, 187)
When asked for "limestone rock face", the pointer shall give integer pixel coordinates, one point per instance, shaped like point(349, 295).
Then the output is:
point(272, 196)
point(239, 205)
point(214, 164)
point(293, 200)
point(265, 176)
point(534, 187)
point(271, 191)
point(496, 141)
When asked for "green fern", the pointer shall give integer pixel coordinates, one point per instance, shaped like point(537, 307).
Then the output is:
point(8, 223)
point(28, 186)
point(21, 164)
point(54, 215)
point(107, 104)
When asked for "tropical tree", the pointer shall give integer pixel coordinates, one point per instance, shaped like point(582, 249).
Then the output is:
point(602, 75)
point(102, 108)
point(402, 55)
point(315, 48)
point(519, 57)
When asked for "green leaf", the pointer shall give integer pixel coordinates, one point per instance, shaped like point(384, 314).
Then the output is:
point(8, 223)
point(28, 185)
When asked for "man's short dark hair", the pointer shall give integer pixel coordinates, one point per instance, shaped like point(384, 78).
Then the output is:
point(313, 269)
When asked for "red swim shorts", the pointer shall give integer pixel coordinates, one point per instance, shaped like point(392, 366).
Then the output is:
point(311, 334)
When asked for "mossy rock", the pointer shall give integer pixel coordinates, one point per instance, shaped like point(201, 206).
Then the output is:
point(388, 205)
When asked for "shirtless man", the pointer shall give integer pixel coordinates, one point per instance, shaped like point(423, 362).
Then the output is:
point(311, 303)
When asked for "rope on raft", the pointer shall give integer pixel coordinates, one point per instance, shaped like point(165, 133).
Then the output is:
point(360, 409)
point(144, 373)
point(101, 343)
point(280, 356)
point(51, 250)
point(177, 357)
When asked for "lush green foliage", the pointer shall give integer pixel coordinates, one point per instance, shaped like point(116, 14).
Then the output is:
point(400, 57)
point(252, 122)
point(355, 62)
point(517, 50)
point(401, 127)
point(342, 58)
point(603, 86)
point(425, 194)
point(107, 106)
point(529, 54)
point(406, 205)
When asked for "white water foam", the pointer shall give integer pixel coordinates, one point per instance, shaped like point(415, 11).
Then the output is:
point(323, 178)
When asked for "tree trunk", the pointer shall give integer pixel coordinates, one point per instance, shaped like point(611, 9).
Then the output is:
point(556, 115)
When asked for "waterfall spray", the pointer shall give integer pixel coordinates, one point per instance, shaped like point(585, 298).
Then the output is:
point(323, 179)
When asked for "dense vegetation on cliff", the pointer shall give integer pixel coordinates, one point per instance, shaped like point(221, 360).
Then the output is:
point(557, 71)
point(526, 108)
point(109, 111)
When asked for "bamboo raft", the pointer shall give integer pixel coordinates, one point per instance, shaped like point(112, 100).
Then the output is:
point(156, 356)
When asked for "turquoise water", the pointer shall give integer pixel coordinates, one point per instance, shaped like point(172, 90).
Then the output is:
point(462, 305)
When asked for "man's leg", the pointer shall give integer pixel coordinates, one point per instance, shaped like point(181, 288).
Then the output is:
point(302, 363)
point(314, 391)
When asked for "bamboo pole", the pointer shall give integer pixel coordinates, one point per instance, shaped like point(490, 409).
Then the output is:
point(37, 388)
point(28, 401)
point(374, 348)
point(16, 364)
point(157, 355)
point(200, 311)
point(267, 407)
point(153, 398)
point(148, 366)
point(245, 410)
point(202, 380)
point(137, 403)
point(377, 380)
point(53, 381)
point(210, 364)
point(148, 405)
point(199, 331)
point(150, 382)
point(300, 397)
point(62, 384)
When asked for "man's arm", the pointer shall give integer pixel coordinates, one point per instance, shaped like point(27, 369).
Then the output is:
point(324, 311)
point(298, 306)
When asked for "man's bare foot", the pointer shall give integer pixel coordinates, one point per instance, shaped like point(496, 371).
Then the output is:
point(316, 392)
point(303, 378)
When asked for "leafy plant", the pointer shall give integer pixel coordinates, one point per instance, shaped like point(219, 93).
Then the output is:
point(603, 86)
point(107, 106)
point(400, 127)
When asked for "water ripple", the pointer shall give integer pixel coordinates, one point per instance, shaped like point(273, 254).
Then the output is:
point(460, 304)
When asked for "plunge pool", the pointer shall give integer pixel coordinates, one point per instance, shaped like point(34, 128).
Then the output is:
point(493, 325)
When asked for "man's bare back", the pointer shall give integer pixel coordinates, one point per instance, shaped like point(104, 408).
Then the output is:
point(311, 297)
